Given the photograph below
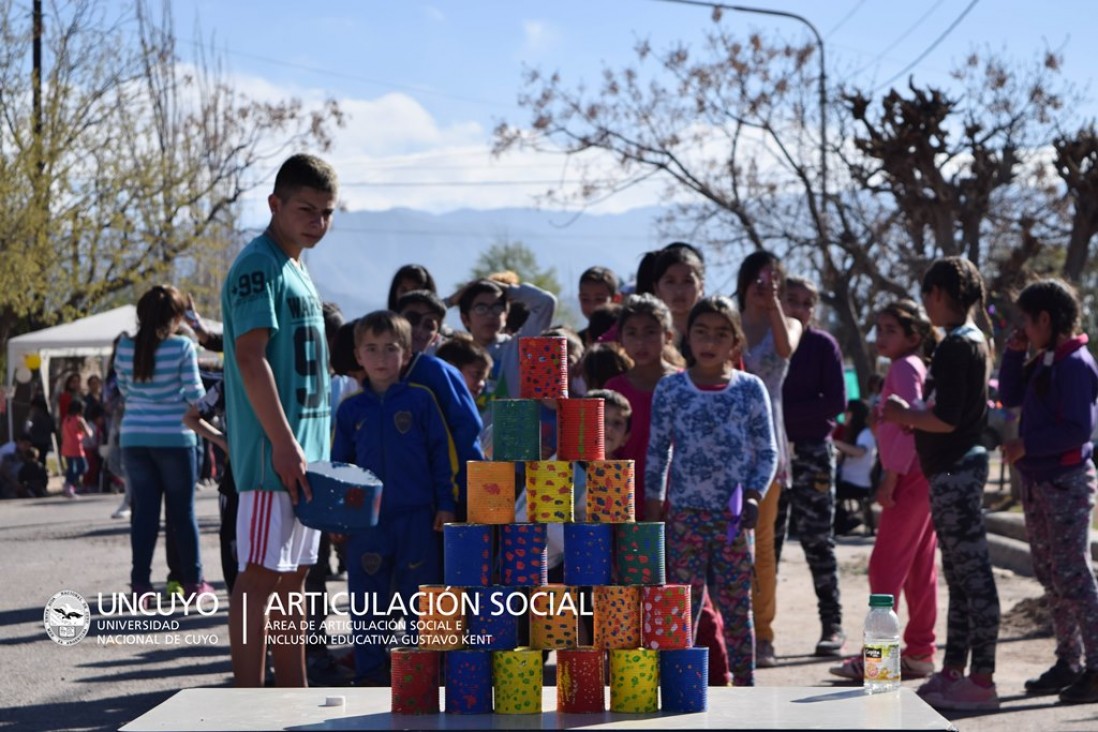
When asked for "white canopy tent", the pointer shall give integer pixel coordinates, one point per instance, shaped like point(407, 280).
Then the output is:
point(90, 336)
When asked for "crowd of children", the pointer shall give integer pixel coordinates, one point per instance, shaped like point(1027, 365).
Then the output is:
point(728, 407)
point(730, 414)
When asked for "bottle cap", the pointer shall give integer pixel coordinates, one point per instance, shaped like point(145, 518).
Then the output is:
point(881, 601)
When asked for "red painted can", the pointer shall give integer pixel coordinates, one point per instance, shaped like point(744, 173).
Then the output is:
point(415, 681)
point(581, 680)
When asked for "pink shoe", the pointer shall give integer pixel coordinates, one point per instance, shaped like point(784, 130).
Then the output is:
point(936, 685)
point(852, 668)
point(144, 596)
point(966, 696)
point(202, 588)
point(916, 668)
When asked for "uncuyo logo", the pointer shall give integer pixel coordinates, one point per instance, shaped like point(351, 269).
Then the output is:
point(67, 618)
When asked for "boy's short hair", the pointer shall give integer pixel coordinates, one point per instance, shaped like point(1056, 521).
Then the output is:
point(305, 171)
point(617, 400)
point(461, 351)
point(602, 319)
point(575, 343)
point(480, 287)
point(602, 362)
point(805, 284)
point(343, 349)
point(333, 318)
point(381, 322)
point(422, 297)
point(601, 276)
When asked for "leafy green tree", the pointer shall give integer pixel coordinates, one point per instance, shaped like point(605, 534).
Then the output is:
point(516, 262)
point(514, 256)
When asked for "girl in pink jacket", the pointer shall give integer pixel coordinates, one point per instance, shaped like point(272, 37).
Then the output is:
point(903, 554)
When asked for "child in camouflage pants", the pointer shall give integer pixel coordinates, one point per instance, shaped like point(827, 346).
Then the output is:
point(947, 440)
point(1057, 390)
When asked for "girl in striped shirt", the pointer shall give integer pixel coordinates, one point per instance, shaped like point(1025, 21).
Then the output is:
point(158, 377)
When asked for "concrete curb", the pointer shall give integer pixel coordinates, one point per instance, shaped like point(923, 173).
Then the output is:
point(1008, 542)
point(1008, 553)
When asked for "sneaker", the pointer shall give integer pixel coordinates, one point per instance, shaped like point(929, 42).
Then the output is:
point(1083, 691)
point(1053, 681)
point(174, 587)
point(145, 596)
point(912, 667)
point(936, 684)
point(122, 512)
point(764, 654)
point(68, 491)
point(852, 668)
point(965, 695)
point(831, 642)
point(202, 588)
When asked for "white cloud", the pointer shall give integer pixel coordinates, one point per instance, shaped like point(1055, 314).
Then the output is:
point(393, 153)
point(538, 37)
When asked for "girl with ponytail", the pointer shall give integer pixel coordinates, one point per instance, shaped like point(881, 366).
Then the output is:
point(947, 430)
point(158, 378)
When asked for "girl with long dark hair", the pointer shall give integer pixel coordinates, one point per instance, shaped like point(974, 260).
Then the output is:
point(158, 377)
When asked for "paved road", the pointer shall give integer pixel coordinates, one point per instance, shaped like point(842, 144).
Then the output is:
point(53, 544)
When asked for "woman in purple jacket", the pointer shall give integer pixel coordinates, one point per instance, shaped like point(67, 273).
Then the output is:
point(1058, 392)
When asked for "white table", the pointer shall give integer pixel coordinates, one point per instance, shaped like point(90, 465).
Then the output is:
point(763, 708)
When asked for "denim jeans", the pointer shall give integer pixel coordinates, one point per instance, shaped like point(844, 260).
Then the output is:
point(75, 470)
point(169, 473)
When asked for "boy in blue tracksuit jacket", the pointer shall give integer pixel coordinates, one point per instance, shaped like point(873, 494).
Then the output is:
point(458, 407)
point(396, 430)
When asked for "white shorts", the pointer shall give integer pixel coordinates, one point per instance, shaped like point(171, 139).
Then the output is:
point(269, 534)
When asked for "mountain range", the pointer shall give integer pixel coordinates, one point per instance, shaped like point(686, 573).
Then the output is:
point(354, 264)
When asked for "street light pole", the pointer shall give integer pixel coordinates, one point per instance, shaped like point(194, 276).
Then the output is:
point(822, 200)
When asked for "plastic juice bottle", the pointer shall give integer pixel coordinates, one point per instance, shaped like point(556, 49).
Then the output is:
point(881, 650)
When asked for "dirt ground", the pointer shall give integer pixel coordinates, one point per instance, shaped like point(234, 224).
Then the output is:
point(52, 544)
point(1025, 641)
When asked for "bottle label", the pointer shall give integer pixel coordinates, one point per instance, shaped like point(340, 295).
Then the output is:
point(882, 662)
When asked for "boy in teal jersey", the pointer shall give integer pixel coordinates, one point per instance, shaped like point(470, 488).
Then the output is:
point(278, 414)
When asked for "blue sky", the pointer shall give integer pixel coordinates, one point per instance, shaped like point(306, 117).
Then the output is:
point(425, 82)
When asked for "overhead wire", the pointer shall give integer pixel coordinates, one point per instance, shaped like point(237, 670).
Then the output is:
point(845, 18)
point(902, 37)
point(460, 183)
point(929, 48)
point(352, 77)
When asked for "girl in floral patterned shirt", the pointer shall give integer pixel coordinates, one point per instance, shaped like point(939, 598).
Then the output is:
point(711, 429)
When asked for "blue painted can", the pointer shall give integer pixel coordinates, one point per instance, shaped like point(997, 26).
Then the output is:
point(684, 680)
point(588, 554)
point(469, 682)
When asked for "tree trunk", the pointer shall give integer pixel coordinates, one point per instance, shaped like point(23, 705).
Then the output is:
point(851, 340)
point(1084, 225)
